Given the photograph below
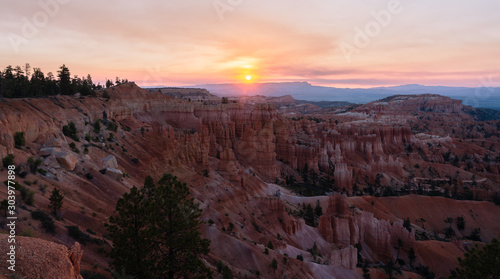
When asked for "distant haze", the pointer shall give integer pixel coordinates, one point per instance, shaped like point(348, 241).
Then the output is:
point(483, 97)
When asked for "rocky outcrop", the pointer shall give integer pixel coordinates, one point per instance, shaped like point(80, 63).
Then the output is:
point(47, 151)
point(345, 257)
point(66, 159)
point(345, 226)
point(42, 259)
point(114, 173)
point(110, 162)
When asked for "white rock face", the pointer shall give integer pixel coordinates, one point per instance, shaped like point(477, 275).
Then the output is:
point(110, 162)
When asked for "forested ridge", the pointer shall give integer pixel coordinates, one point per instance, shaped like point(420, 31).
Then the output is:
point(24, 82)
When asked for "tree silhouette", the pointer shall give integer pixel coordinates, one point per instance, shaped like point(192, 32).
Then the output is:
point(411, 256)
point(65, 81)
point(460, 223)
point(400, 244)
point(274, 264)
point(318, 210)
point(156, 232)
point(480, 262)
point(56, 201)
point(449, 232)
point(407, 224)
point(421, 221)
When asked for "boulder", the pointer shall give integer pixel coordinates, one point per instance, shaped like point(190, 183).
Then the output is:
point(56, 143)
point(114, 173)
point(37, 258)
point(66, 159)
point(110, 162)
point(47, 151)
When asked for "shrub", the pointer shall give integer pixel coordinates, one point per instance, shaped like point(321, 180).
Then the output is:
point(33, 164)
point(135, 161)
point(112, 126)
point(97, 126)
point(27, 195)
point(47, 221)
point(299, 257)
point(19, 139)
point(78, 235)
point(42, 171)
point(103, 171)
point(28, 233)
point(8, 160)
point(87, 274)
point(89, 176)
point(74, 148)
point(70, 130)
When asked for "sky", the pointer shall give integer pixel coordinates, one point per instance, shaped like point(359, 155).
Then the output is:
point(338, 43)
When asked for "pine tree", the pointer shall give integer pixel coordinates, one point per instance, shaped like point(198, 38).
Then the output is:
point(65, 81)
point(480, 262)
point(274, 264)
point(56, 201)
point(318, 210)
point(411, 256)
point(155, 234)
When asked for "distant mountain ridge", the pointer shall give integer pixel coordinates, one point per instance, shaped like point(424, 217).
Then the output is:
point(480, 97)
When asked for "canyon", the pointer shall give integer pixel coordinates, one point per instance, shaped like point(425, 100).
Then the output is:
point(253, 165)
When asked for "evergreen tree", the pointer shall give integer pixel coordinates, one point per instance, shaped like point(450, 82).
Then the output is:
point(407, 224)
point(309, 215)
point(274, 264)
point(155, 233)
point(56, 201)
point(480, 262)
point(411, 256)
point(460, 223)
point(318, 210)
point(65, 81)
point(128, 232)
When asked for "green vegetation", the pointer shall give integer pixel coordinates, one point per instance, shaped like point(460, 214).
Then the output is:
point(97, 126)
point(480, 262)
point(34, 164)
point(8, 160)
point(78, 235)
point(74, 148)
point(112, 126)
point(19, 82)
point(70, 131)
point(155, 232)
point(27, 195)
point(56, 201)
point(274, 264)
point(47, 221)
point(19, 139)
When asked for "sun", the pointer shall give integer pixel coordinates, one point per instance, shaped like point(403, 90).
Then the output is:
point(248, 77)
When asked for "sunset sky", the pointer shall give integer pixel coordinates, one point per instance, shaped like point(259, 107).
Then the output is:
point(185, 42)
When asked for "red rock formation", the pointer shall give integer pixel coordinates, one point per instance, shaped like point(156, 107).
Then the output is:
point(343, 226)
point(37, 258)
